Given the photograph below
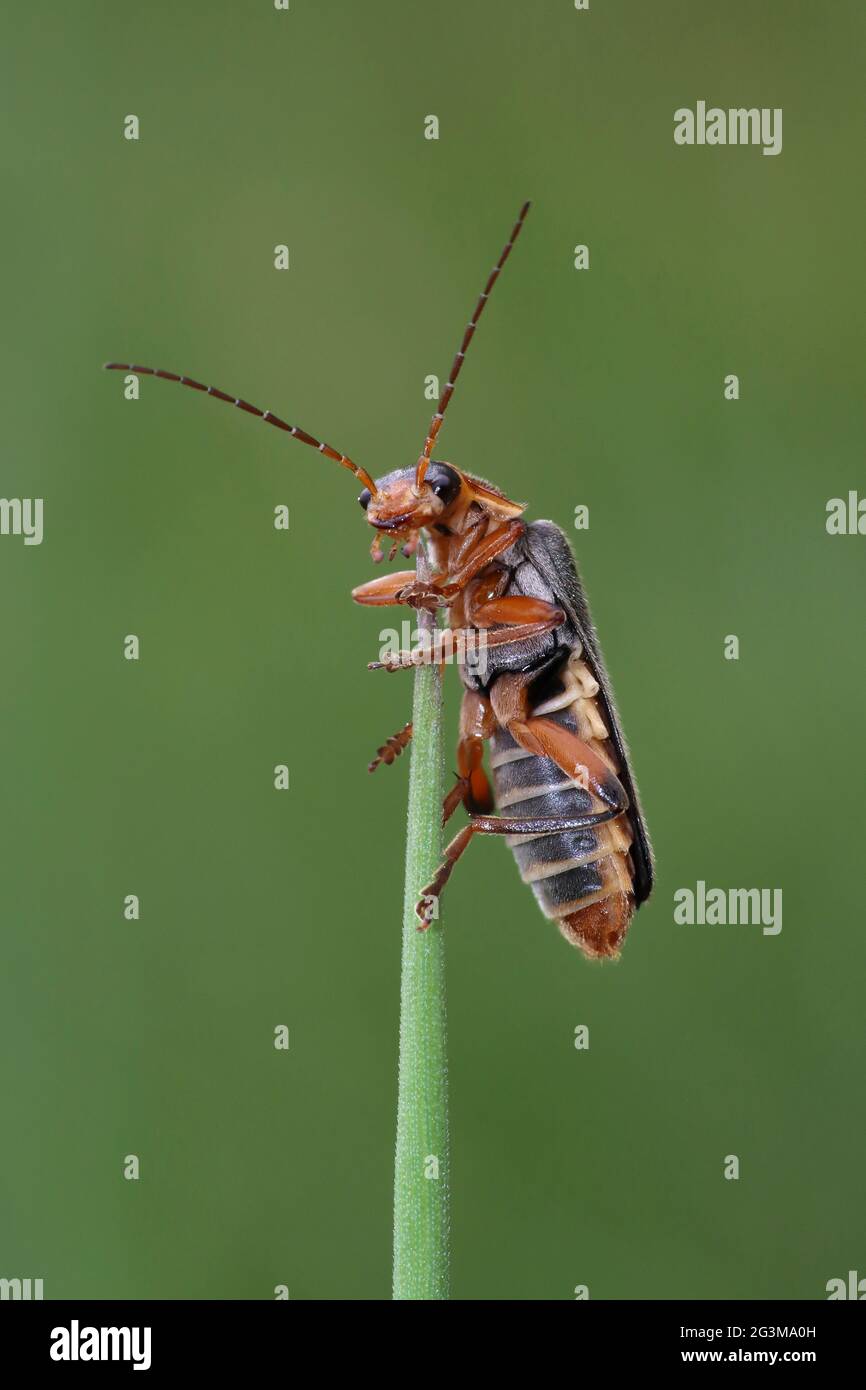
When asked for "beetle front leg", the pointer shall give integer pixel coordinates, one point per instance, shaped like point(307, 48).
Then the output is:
point(383, 592)
point(479, 556)
point(401, 587)
point(391, 748)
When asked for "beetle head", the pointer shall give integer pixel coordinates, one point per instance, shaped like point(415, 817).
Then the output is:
point(399, 507)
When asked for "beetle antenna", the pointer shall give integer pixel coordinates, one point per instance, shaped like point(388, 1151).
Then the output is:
point(266, 415)
point(436, 422)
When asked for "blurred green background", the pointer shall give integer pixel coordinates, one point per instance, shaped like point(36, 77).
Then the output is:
point(707, 518)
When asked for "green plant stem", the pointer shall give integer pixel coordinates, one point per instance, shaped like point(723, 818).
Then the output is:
point(421, 1176)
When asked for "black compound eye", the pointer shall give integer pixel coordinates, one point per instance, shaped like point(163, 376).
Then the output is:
point(364, 499)
point(444, 481)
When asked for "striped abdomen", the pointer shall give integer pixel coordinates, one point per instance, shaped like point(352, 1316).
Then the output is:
point(582, 879)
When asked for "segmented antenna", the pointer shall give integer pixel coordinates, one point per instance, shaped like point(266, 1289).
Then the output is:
point(436, 422)
point(266, 415)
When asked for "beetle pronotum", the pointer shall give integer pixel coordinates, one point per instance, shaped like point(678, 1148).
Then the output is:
point(559, 761)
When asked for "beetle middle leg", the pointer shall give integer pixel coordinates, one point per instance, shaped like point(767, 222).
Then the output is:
point(446, 643)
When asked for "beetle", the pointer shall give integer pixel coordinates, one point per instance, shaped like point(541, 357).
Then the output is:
point(541, 697)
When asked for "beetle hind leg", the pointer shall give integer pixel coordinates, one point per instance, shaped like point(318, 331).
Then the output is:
point(427, 906)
